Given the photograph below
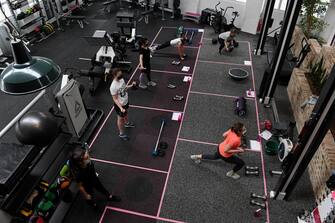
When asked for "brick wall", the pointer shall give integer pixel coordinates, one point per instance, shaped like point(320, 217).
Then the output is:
point(298, 89)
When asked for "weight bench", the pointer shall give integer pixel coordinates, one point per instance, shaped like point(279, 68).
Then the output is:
point(145, 15)
point(195, 17)
point(80, 20)
point(108, 5)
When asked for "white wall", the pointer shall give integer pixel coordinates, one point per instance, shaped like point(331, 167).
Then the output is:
point(252, 16)
point(198, 5)
point(329, 31)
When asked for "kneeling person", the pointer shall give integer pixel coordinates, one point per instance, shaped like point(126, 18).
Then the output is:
point(119, 93)
point(227, 40)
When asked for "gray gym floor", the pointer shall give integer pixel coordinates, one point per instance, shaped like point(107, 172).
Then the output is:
point(194, 193)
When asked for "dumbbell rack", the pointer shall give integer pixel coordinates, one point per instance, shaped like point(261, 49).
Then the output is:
point(30, 22)
point(323, 212)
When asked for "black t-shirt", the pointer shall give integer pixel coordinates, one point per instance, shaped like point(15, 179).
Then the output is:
point(146, 57)
point(86, 175)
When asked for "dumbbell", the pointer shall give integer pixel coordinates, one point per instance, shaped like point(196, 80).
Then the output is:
point(258, 213)
point(249, 173)
point(163, 145)
point(275, 172)
point(256, 196)
point(255, 203)
point(252, 168)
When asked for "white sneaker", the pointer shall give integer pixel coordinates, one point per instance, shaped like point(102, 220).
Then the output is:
point(230, 173)
point(142, 86)
point(196, 158)
point(151, 83)
point(233, 175)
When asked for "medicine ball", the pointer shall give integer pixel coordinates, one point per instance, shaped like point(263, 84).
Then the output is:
point(36, 128)
point(214, 41)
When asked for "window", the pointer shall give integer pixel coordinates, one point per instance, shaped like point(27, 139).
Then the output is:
point(241, 0)
point(280, 4)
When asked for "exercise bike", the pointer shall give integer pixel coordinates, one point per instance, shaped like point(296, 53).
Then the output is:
point(219, 21)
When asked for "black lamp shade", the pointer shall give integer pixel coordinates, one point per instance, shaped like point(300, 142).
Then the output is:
point(28, 74)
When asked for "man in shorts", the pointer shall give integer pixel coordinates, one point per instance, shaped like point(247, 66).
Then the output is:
point(118, 90)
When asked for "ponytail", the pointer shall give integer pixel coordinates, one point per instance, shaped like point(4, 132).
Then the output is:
point(237, 128)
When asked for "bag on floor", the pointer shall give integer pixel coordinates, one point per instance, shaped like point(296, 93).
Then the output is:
point(241, 106)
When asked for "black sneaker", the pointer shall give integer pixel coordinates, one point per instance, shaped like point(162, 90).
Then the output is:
point(114, 198)
point(124, 137)
point(129, 125)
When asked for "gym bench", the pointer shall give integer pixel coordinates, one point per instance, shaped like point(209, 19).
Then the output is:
point(80, 20)
point(109, 4)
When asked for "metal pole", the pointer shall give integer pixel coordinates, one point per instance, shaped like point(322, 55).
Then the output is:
point(265, 28)
point(286, 33)
point(24, 110)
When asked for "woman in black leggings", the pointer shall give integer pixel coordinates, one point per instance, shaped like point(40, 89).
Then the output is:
point(84, 173)
point(227, 150)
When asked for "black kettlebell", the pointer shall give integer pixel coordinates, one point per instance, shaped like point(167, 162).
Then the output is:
point(214, 41)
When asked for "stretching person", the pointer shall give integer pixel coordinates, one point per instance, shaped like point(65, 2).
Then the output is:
point(83, 171)
point(119, 93)
point(227, 40)
point(179, 43)
point(228, 149)
point(145, 66)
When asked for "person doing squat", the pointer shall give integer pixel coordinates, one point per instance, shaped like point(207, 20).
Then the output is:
point(227, 41)
point(228, 149)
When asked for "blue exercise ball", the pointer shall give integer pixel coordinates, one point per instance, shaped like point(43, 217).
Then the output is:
point(36, 128)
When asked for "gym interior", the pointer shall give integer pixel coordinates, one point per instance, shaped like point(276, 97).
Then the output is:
point(253, 79)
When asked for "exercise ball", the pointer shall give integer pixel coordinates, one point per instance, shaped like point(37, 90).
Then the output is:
point(214, 41)
point(36, 128)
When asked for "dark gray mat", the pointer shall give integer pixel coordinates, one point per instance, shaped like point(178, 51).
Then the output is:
point(161, 96)
point(207, 117)
point(203, 193)
point(137, 151)
point(140, 192)
point(210, 52)
point(214, 78)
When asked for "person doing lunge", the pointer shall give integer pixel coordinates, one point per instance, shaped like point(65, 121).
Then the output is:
point(228, 150)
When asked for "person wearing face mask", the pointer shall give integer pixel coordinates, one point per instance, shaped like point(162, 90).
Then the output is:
point(118, 90)
point(145, 65)
point(83, 171)
point(228, 149)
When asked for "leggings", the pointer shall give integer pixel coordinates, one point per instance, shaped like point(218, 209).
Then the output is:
point(95, 183)
point(239, 163)
point(147, 72)
point(164, 45)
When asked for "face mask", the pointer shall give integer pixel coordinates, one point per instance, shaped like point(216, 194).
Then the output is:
point(119, 77)
point(244, 132)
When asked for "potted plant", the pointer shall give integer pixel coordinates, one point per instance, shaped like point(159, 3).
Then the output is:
point(316, 76)
point(311, 18)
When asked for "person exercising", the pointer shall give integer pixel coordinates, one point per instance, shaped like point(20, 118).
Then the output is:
point(145, 65)
point(179, 43)
point(228, 149)
point(83, 171)
point(118, 90)
point(227, 40)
